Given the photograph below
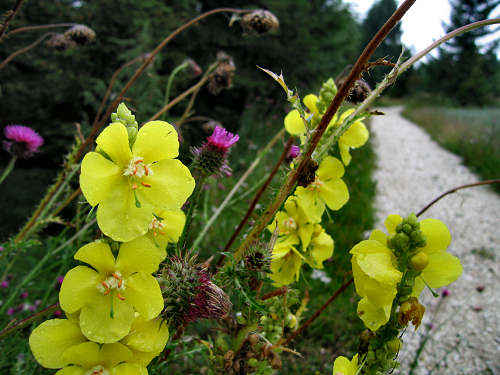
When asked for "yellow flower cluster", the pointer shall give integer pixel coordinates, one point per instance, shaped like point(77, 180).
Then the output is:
point(355, 136)
point(300, 235)
point(377, 268)
point(113, 302)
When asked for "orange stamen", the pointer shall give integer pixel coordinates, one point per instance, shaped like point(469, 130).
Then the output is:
point(120, 297)
point(105, 284)
point(115, 276)
point(120, 282)
point(138, 161)
point(134, 186)
point(145, 184)
point(107, 292)
point(146, 170)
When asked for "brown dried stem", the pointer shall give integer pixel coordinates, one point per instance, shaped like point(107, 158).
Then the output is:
point(275, 293)
point(308, 322)
point(25, 49)
point(12, 328)
point(10, 15)
point(97, 125)
point(256, 199)
point(40, 27)
point(486, 182)
point(342, 93)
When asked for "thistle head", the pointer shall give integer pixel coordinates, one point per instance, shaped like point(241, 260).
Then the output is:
point(60, 43)
point(80, 34)
point(22, 141)
point(211, 157)
point(260, 21)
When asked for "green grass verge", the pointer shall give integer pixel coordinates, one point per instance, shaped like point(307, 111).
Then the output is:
point(471, 133)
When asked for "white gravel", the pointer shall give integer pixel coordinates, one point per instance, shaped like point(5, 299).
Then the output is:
point(412, 170)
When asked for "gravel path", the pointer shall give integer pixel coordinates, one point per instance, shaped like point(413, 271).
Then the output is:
point(465, 329)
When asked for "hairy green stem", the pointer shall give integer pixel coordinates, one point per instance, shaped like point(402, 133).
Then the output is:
point(8, 168)
point(189, 216)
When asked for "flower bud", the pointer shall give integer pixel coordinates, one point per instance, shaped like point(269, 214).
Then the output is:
point(394, 346)
point(420, 261)
point(222, 77)
point(60, 43)
point(80, 34)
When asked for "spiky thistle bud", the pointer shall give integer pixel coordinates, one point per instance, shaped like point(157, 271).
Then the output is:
point(80, 34)
point(211, 157)
point(190, 294)
point(222, 77)
point(260, 21)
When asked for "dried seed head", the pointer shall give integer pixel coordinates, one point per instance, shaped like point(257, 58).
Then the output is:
point(222, 77)
point(359, 92)
point(60, 43)
point(260, 22)
point(308, 174)
point(80, 34)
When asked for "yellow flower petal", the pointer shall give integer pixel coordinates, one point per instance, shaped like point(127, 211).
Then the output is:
point(171, 185)
point(101, 324)
point(98, 255)
point(378, 293)
point(330, 168)
point(310, 101)
point(355, 136)
point(71, 370)
point(294, 124)
point(90, 354)
point(172, 225)
point(129, 369)
point(442, 270)
point(156, 140)
point(305, 233)
point(51, 339)
point(143, 292)
point(378, 235)
point(322, 249)
point(373, 316)
point(79, 286)
point(334, 193)
point(114, 142)
point(342, 366)
point(437, 235)
point(144, 358)
point(120, 219)
point(147, 336)
point(379, 266)
point(286, 270)
point(98, 178)
point(112, 354)
point(392, 222)
point(139, 255)
point(312, 205)
point(344, 153)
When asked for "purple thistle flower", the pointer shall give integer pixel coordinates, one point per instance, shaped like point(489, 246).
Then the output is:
point(222, 139)
point(23, 141)
point(4, 284)
point(445, 293)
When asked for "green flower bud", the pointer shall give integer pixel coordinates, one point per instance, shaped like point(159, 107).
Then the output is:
point(401, 241)
point(124, 115)
point(253, 362)
point(399, 228)
point(240, 318)
point(394, 346)
point(420, 261)
point(413, 220)
point(407, 228)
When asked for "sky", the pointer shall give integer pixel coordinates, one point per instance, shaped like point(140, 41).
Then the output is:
point(422, 24)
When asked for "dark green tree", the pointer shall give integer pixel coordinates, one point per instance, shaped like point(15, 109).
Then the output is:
point(465, 72)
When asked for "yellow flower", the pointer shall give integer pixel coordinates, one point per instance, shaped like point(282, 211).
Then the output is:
point(58, 343)
point(442, 268)
point(293, 221)
point(286, 261)
point(342, 366)
point(355, 136)
point(147, 339)
point(108, 294)
point(320, 248)
point(128, 184)
point(166, 227)
point(294, 124)
point(328, 188)
point(376, 278)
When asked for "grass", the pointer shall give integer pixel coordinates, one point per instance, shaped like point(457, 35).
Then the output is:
point(334, 333)
point(471, 133)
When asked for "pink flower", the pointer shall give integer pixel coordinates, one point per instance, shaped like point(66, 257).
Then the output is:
point(22, 142)
point(293, 153)
point(4, 284)
point(222, 139)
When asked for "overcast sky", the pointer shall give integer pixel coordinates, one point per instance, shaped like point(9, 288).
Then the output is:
point(422, 24)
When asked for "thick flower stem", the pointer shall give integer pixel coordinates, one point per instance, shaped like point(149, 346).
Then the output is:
point(189, 216)
point(8, 169)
